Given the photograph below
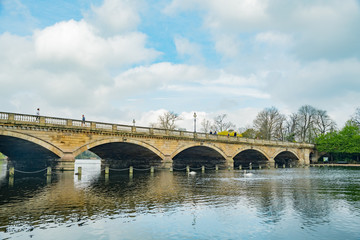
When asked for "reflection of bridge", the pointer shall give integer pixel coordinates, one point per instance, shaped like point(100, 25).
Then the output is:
point(31, 142)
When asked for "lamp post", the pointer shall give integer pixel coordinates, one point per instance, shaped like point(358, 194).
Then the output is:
point(195, 122)
point(133, 129)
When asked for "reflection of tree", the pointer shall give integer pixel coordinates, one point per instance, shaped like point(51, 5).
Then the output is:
point(272, 193)
point(313, 206)
point(271, 208)
point(296, 193)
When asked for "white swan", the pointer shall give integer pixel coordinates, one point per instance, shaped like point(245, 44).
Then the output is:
point(246, 174)
point(192, 173)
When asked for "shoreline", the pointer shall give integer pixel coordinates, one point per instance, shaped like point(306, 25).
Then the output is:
point(335, 165)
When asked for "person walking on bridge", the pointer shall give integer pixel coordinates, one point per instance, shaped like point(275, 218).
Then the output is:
point(38, 114)
point(83, 120)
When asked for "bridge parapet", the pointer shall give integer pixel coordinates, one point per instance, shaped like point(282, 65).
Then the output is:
point(16, 119)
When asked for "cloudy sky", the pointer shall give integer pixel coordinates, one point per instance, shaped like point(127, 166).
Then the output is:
point(118, 60)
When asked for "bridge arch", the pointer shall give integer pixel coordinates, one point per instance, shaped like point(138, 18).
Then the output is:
point(28, 152)
point(198, 154)
point(119, 140)
point(250, 157)
point(122, 152)
point(52, 148)
point(181, 149)
point(287, 157)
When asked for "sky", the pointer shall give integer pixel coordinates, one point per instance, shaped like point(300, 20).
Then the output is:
point(119, 60)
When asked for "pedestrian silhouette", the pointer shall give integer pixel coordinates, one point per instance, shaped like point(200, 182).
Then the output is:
point(38, 114)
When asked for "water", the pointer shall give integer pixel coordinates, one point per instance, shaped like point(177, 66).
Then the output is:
point(302, 203)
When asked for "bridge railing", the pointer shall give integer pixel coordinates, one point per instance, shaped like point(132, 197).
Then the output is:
point(123, 128)
point(25, 118)
point(4, 116)
point(104, 126)
point(143, 130)
point(56, 121)
point(15, 118)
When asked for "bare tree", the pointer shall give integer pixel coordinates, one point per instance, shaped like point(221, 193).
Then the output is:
point(356, 117)
point(291, 127)
point(205, 125)
point(221, 125)
point(312, 122)
point(307, 124)
point(306, 119)
point(167, 120)
point(323, 123)
point(269, 123)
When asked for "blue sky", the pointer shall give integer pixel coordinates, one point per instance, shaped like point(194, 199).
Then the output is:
point(118, 60)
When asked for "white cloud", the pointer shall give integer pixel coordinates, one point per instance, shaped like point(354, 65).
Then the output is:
point(273, 38)
point(114, 16)
point(180, 5)
point(186, 78)
point(227, 45)
point(69, 65)
point(185, 48)
point(235, 15)
point(224, 15)
point(324, 84)
point(77, 43)
point(320, 29)
point(157, 75)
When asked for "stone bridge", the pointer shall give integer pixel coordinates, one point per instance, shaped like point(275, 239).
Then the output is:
point(32, 142)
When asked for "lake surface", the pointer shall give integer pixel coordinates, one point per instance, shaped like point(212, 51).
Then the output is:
point(297, 203)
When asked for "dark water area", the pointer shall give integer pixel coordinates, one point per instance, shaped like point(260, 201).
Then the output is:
point(296, 203)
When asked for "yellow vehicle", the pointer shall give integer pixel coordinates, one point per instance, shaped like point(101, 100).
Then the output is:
point(230, 133)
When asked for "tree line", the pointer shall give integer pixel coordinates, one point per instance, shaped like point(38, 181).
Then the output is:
point(308, 124)
point(343, 144)
point(305, 125)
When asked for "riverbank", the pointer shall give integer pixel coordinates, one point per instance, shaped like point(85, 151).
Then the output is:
point(335, 165)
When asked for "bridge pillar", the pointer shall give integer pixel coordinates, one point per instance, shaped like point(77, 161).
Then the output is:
point(42, 120)
point(315, 157)
point(230, 162)
point(66, 163)
point(304, 158)
point(271, 163)
point(167, 162)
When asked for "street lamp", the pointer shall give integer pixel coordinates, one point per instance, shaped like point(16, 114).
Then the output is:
point(134, 122)
point(195, 122)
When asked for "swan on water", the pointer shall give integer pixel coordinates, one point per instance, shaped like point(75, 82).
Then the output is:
point(247, 174)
